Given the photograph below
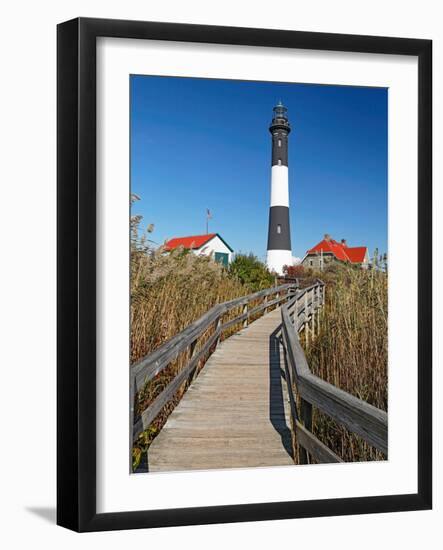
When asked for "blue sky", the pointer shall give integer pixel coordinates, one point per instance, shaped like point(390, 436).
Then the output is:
point(200, 143)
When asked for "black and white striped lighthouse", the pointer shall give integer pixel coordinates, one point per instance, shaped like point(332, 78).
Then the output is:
point(279, 235)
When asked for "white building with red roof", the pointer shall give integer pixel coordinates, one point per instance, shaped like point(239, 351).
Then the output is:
point(328, 250)
point(210, 244)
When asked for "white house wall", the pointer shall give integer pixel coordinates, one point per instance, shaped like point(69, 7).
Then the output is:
point(213, 246)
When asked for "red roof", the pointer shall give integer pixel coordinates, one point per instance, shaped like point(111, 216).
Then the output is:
point(341, 251)
point(193, 242)
point(357, 254)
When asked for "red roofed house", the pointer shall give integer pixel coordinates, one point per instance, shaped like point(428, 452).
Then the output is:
point(328, 250)
point(207, 245)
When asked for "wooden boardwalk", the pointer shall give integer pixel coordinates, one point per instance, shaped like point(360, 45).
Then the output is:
point(240, 410)
point(236, 413)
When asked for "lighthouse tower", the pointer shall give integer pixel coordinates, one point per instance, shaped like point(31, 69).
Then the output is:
point(279, 236)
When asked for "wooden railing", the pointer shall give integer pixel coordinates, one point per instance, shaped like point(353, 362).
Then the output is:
point(302, 313)
point(198, 340)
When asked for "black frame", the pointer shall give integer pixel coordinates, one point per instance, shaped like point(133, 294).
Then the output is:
point(76, 295)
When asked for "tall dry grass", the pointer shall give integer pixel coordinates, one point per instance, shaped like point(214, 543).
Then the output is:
point(351, 350)
point(168, 292)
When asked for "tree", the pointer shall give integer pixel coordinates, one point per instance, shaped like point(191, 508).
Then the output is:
point(251, 272)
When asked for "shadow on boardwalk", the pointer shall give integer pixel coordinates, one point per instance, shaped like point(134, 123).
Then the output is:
point(276, 397)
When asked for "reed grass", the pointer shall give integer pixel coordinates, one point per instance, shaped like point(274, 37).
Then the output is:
point(351, 350)
point(168, 292)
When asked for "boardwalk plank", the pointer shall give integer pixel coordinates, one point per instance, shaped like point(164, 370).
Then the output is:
point(235, 414)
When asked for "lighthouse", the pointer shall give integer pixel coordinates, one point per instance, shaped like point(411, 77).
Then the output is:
point(279, 237)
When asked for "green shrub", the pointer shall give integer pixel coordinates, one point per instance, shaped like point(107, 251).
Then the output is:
point(251, 272)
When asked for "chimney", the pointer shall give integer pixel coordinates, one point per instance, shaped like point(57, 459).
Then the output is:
point(327, 237)
point(343, 242)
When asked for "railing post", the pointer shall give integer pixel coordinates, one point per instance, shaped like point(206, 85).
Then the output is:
point(306, 317)
point(132, 395)
point(295, 316)
point(217, 327)
point(245, 311)
point(311, 312)
point(306, 416)
point(314, 310)
point(322, 301)
point(192, 348)
point(289, 294)
point(191, 354)
point(265, 301)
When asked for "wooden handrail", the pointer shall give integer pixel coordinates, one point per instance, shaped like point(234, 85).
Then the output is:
point(152, 364)
point(299, 310)
point(355, 414)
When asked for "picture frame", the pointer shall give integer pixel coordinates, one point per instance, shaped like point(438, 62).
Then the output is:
point(77, 274)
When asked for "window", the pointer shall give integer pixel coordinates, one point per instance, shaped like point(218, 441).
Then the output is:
point(279, 142)
point(311, 262)
point(222, 258)
point(279, 162)
point(279, 229)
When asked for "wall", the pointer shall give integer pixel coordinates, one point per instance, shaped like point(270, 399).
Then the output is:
point(27, 300)
point(215, 245)
point(317, 260)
